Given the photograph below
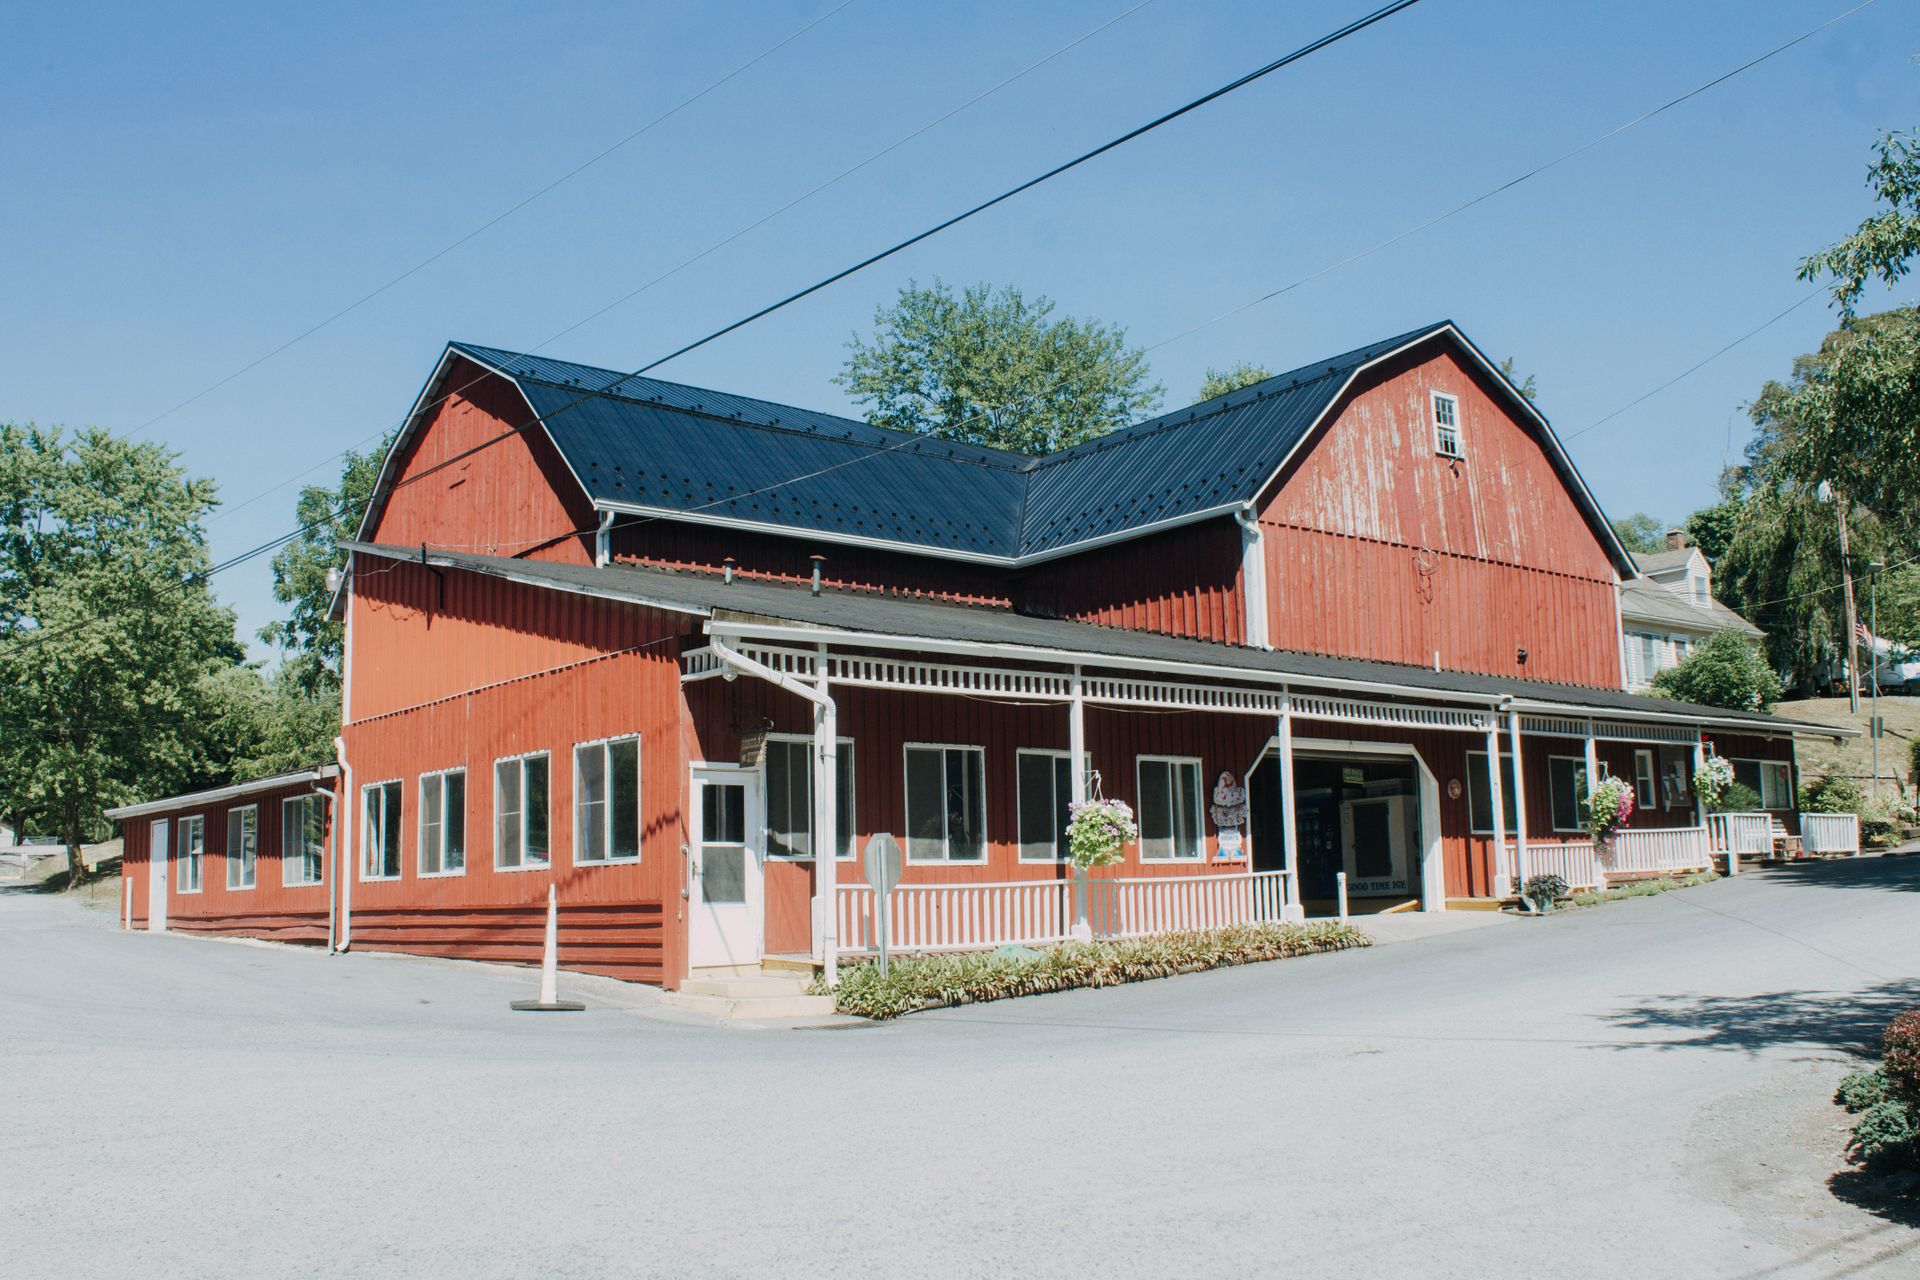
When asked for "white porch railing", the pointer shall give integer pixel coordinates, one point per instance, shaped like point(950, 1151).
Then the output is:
point(1659, 849)
point(1830, 832)
point(1748, 834)
point(1571, 860)
point(973, 917)
point(1143, 905)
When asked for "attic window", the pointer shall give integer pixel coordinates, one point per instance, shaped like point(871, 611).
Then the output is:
point(1446, 426)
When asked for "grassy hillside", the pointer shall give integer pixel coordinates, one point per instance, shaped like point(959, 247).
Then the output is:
point(1820, 756)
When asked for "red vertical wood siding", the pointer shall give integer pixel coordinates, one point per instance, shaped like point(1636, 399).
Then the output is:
point(1379, 548)
point(1184, 582)
point(515, 497)
point(271, 909)
point(501, 670)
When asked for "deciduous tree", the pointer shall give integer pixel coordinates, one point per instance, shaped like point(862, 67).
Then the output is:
point(1723, 670)
point(994, 369)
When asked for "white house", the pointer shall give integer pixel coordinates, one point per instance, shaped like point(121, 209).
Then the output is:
point(1670, 608)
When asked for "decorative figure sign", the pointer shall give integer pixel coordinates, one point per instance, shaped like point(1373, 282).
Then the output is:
point(1229, 814)
point(1453, 788)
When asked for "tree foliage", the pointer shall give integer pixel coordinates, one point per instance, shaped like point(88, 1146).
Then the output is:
point(311, 642)
point(1882, 246)
point(1712, 528)
point(112, 649)
point(1640, 532)
point(1220, 382)
point(992, 368)
point(1524, 386)
point(1723, 670)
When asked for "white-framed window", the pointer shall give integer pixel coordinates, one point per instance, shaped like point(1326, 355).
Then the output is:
point(1646, 789)
point(1044, 783)
point(303, 825)
point(1567, 792)
point(1446, 425)
point(606, 801)
point(946, 803)
point(380, 830)
point(243, 846)
point(1480, 796)
point(789, 770)
point(1773, 779)
point(192, 836)
point(520, 825)
point(1170, 809)
point(443, 823)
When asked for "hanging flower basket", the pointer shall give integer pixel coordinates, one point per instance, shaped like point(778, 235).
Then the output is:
point(1098, 831)
point(1609, 805)
point(1711, 780)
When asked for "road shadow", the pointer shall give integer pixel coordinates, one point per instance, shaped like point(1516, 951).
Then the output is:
point(1843, 1021)
point(1887, 871)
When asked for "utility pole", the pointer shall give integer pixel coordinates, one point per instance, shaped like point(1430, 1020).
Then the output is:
point(1853, 618)
point(1873, 656)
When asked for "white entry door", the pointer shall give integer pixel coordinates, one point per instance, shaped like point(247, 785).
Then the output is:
point(725, 924)
point(157, 877)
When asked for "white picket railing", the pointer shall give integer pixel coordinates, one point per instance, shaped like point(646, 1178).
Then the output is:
point(1748, 834)
point(958, 916)
point(1142, 905)
point(1830, 832)
point(971, 917)
point(1571, 860)
point(1659, 849)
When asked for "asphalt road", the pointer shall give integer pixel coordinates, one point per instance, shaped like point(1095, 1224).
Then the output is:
point(1640, 1089)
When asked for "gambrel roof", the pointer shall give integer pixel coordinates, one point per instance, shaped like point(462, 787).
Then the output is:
point(648, 447)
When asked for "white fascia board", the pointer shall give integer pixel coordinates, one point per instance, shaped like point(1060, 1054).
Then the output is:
point(801, 633)
point(408, 555)
point(275, 783)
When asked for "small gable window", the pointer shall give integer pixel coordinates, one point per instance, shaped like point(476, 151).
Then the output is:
point(1446, 426)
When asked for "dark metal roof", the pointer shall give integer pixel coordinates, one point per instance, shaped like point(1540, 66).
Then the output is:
point(891, 619)
point(663, 447)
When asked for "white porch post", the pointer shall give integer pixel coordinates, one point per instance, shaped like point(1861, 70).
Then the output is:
point(826, 836)
point(1077, 793)
point(1291, 909)
point(1496, 794)
point(1593, 778)
point(1522, 871)
point(1699, 763)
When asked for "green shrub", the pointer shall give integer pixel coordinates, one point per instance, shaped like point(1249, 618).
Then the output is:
point(1544, 891)
point(1862, 1089)
point(921, 982)
point(1913, 756)
point(1884, 1137)
point(1835, 793)
point(1739, 798)
point(1643, 888)
point(1902, 1055)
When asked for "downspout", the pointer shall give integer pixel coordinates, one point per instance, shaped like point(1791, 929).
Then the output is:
point(343, 938)
point(340, 920)
point(1253, 577)
point(603, 541)
point(1620, 634)
point(333, 814)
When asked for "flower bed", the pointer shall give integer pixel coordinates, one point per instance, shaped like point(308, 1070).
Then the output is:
point(929, 982)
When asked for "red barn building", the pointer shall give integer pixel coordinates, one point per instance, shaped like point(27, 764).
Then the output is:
point(621, 637)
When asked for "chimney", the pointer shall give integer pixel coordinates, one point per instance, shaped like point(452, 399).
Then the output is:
point(1676, 539)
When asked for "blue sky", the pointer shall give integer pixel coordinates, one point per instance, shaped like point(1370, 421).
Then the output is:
point(188, 190)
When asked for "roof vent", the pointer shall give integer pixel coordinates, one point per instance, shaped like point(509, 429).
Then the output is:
point(817, 562)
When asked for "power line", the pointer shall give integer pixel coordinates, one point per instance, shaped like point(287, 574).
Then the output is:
point(1313, 46)
point(498, 218)
point(715, 247)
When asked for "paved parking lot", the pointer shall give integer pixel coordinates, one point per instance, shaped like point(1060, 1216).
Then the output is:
point(1635, 1089)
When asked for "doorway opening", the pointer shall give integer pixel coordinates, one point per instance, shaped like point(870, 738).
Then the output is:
point(1358, 813)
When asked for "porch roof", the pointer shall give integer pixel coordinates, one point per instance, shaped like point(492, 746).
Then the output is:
point(873, 619)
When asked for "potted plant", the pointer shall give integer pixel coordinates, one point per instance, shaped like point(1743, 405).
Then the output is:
point(1098, 832)
point(1711, 780)
point(1609, 805)
point(1544, 891)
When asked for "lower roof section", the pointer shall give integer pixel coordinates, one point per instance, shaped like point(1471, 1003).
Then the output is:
point(235, 792)
point(794, 614)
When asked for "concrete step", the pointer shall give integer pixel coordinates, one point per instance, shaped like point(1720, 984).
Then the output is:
point(756, 987)
point(752, 1008)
